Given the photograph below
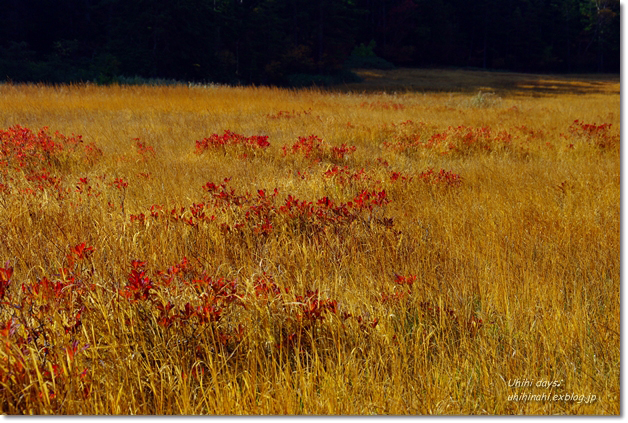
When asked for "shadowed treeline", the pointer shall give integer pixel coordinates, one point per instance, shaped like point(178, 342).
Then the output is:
point(299, 42)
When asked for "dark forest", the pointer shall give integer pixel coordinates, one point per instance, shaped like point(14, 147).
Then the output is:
point(299, 42)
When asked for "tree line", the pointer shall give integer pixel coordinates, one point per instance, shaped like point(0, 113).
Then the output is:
point(299, 42)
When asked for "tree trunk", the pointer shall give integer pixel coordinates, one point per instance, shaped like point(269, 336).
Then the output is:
point(321, 15)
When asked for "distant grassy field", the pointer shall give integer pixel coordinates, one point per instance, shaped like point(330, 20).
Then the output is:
point(425, 242)
point(502, 83)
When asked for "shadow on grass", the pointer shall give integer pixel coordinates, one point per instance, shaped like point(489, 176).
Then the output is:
point(472, 81)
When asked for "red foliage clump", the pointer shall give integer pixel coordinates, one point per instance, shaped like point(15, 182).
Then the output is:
point(229, 138)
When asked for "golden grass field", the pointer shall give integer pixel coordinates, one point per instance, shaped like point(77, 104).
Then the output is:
point(425, 242)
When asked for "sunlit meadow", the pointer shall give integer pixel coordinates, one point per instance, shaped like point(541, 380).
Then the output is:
point(233, 250)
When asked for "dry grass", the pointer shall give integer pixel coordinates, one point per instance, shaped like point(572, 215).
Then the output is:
point(517, 263)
